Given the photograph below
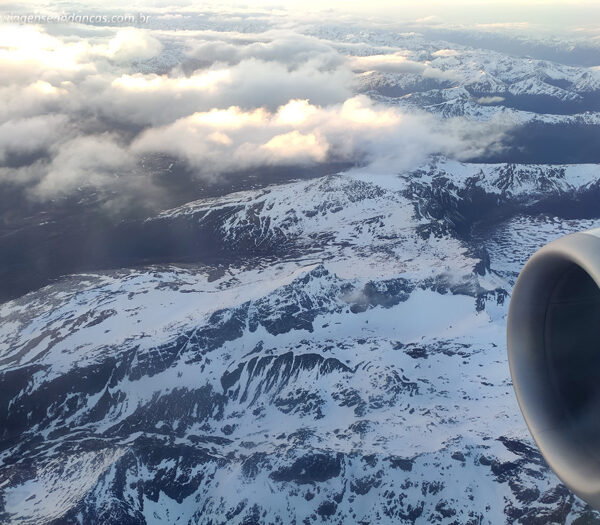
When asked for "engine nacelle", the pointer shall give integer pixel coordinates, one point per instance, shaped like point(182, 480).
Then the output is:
point(553, 339)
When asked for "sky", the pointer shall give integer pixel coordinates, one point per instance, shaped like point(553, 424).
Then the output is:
point(549, 13)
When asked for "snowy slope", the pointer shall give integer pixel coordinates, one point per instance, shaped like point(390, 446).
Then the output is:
point(358, 377)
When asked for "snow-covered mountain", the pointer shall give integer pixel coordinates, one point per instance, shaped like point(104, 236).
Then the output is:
point(327, 349)
point(355, 372)
point(452, 80)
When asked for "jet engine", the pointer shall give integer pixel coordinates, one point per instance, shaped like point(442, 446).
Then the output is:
point(553, 340)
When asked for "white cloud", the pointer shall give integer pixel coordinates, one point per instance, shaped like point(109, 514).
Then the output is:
point(445, 53)
point(490, 100)
point(294, 146)
point(520, 26)
point(252, 83)
point(384, 139)
point(26, 100)
point(282, 46)
point(133, 44)
point(398, 63)
point(87, 106)
point(30, 135)
point(429, 20)
point(89, 161)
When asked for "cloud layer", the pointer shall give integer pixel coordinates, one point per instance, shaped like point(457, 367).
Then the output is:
point(83, 107)
point(359, 131)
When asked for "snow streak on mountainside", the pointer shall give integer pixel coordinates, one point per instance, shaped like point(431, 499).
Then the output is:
point(358, 375)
